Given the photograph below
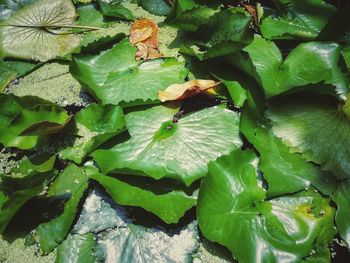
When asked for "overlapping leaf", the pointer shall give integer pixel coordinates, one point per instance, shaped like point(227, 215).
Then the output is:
point(22, 184)
point(26, 120)
point(160, 148)
point(105, 121)
point(115, 76)
point(284, 171)
point(169, 206)
point(232, 211)
point(114, 8)
point(319, 62)
point(314, 126)
point(297, 19)
point(72, 182)
point(39, 31)
point(342, 199)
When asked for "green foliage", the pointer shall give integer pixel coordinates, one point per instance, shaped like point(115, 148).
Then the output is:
point(232, 211)
point(277, 75)
point(342, 199)
point(115, 8)
point(302, 123)
point(169, 206)
point(27, 120)
point(9, 70)
point(107, 74)
point(106, 121)
point(157, 7)
point(39, 31)
point(248, 168)
point(22, 184)
point(179, 152)
point(297, 19)
point(72, 181)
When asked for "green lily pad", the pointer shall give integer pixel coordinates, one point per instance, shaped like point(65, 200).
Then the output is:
point(266, 65)
point(293, 19)
point(342, 198)
point(9, 70)
point(159, 148)
point(22, 184)
point(312, 125)
point(114, 8)
point(156, 7)
point(285, 172)
point(114, 76)
point(188, 15)
point(226, 32)
point(71, 182)
point(169, 206)
point(232, 211)
point(26, 120)
point(39, 31)
point(106, 121)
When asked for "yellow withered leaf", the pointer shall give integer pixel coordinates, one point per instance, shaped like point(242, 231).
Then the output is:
point(187, 89)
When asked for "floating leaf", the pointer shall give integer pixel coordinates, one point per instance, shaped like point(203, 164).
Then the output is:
point(9, 70)
point(232, 211)
point(226, 32)
point(169, 206)
point(40, 31)
point(342, 198)
point(285, 172)
point(120, 240)
point(293, 19)
point(310, 124)
point(266, 65)
point(114, 8)
point(114, 76)
point(72, 181)
point(106, 121)
point(157, 7)
point(22, 184)
point(188, 15)
point(179, 150)
point(186, 90)
point(25, 120)
point(77, 248)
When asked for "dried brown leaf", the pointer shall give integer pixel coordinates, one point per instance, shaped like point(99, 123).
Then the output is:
point(187, 89)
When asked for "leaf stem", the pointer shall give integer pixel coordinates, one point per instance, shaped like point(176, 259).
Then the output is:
point(53, 26)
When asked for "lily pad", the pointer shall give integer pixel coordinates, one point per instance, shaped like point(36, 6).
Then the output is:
point(22, 184)
point(26, 120)
point(105, 121)
point(342, 198)
point(232, 211)
point(180, 150)
point(293, 19)
point(114, 76)
point(284, 171)
point(39, 31)
point(169, 206)
point(265, 63)
point(314, 126)
point(71, 182)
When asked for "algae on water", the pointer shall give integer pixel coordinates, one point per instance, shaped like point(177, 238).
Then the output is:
point(51, 82)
